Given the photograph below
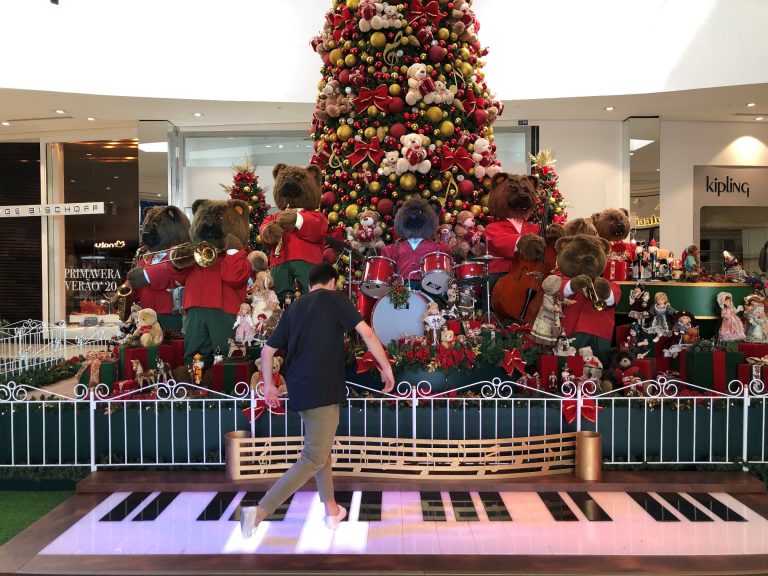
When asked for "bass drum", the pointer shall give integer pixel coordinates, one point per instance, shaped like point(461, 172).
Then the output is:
point(390, 323)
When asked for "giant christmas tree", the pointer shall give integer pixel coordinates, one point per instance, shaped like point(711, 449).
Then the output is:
point(403, 109)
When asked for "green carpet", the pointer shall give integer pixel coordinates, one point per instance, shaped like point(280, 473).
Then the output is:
point(18, 510)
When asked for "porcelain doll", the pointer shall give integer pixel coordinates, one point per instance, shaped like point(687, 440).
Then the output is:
point(731, 328)
point(732, 268)
point(636, 341)
point(684, 329)
point(547, 326)
point(245, 329)
point(433, 322)
point(691, 263)
point(757, 322)
point(661, 312)
point(639, 304)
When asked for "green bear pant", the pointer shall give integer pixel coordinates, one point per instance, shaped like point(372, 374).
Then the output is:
point(287, 274)
point(207, 330)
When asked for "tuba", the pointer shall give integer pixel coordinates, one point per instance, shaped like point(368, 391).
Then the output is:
point(597, 303)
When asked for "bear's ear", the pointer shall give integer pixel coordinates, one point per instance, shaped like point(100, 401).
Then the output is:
point(197, 204)
point(605, 245)
point(626, 212)
point(240, 207)
point(316, 173)
point(595, 217)
point(170, 211)
point(276, 170)
point(561, 243)
point(499, 178)
point(534, 181)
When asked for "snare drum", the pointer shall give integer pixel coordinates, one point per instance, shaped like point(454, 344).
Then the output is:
point(376, 276)
point(391, 323)
point(436, 272)
point(470, 272)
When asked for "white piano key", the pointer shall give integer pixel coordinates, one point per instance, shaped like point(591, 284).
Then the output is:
point(315, 538)
point(419, 537)
point(282, 537)
point(386, 536)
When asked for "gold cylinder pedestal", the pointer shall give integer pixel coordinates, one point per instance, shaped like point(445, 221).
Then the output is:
point(233, 452)
point(589, 456)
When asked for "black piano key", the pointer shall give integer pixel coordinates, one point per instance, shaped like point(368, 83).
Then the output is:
point(463, 507)
point(432, 507)
point(653, 507)
point(124, 508)
point(589, 507)
point(495, 507)
point(216, 507)
point(155, 507)
point(557, 507)
point(370, 507)
point(252, 499)
point(685, 507)
point(716, 507)
point(344, 498)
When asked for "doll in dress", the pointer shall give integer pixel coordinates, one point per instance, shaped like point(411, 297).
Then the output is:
point(661, 312)
point(547, 326)
point(433, 322)
point(731, 328)
point(684, 330)
point(636, 341)
point(639, 304)
point(757, 322)
point(245, 329)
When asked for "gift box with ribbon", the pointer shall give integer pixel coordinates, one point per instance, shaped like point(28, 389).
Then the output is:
point(708, 369)
point(549, 363)
point(229, 372)
point(755, 369)
point(647, 368)
point(615, 271)
point(97, 368)
point(146, 355)
point(753, 349)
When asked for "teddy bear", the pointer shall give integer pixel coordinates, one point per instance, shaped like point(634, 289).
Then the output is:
point(365, 235)
point(593, 368)
point(414, 156)
point(164, 227)
point(464, 23)
point(469, 235)
point(257, 383)
point(510, 236)
point(447, 338)
point(613, 225)
point(296, 234)
point(485, 160)
point(148, 331)
point(590, 319)
point(623, 373)
point(332, 102)
point(370, 14)
point(420, 85)
point(389, 163)
point(213, 291)
point(580, 226)
point(442, 94)
point(390, 17)
point(416, 224)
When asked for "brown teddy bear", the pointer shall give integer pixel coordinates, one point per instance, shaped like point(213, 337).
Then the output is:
point(469, 235)
point(148, 331)
point(510, 236)
point(163, 228)
point(332, 102)
point(590, 319)
point(296, 234)
point(613, 225)
point(580, 226)
point(365, 235)
point(257, 383)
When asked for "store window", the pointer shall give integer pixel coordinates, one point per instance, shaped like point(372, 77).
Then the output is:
point(741, 230)
point(98, 248)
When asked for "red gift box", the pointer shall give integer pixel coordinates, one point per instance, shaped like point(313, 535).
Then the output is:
point(229, 372)
point(753, 349)
point(178, 352)
point(748, 372)
point(147, 357)
point(646, 366)
point(549, 363)
point(615, 271)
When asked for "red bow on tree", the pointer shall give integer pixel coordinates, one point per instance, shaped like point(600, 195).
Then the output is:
point(363, 151)
point(472, 102)
point(588, 410)
point(367, 361)
point(430, 11)
point(513, 361)
point(379, 97)
point(459, 157)
point(338, 21)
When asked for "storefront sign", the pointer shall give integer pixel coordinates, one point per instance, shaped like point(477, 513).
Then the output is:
point(116, 244)
point(69, 209)
point(92, 279)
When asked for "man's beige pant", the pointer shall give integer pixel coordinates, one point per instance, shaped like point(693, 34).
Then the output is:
point(319, 431)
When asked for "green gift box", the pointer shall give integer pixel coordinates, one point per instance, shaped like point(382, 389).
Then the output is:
point(231, 371)
point(107, 373)
point(711, 370)
point(146, 355)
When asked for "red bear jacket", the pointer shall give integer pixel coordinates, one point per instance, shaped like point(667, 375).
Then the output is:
point(581, 317)
point(158, 295)
point(221, 285)
point(501, 237)
point(304, 243)
point(408, 259)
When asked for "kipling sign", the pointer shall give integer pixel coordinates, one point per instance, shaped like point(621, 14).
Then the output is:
point(730, 186)
point(727, 186)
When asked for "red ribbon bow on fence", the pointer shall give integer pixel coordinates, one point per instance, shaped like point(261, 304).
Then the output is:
point(367, 361)
point(459, 157)
point(379, 97)
point(363, 151)
point(513, 361)
point(588, 410)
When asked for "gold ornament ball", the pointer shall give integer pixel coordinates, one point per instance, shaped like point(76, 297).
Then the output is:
point(434, 114)
point(435, 186)
point(250, 227)
point(443, 34)
point(487, 183)
point(353, 195)
point(447, 218)
point(395, 194)
point(426, 141)
point(333, 217)
point(335, 55)
point(484, 200)
point(467, 69)
point(392, 177)
point(337, 207)
point(485, 210)
point(358, 273)
point(426, 193)
point(374, 187)
point(476, 210)
point(369, 60)
point(378, 39)
point(340, 282)
point(458, 204)
point(351, 211)
point(345, 162)
point(250, 208)
point(394, 89)
point(408, 181)
point(258, 238)
point(350, 60)
point(464, 53)
point(254, 198)
point(345, 259)
point(344, 132)
point(558, 210)
point(372, 111)
point(371, 70)
point(447, 128)
point(246, 189)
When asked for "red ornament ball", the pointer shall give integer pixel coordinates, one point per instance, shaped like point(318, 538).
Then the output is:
point(466, 187)
point(396, 105)
point(436, 54)
point(385, 206)
point(328, 199)
point(397, 130)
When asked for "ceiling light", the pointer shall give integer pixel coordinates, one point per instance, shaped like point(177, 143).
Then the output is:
point(631, 153)
point(153, 146)
point(159, 195)
point(751, 104)
point(89, 154)
point(658, 169)
point(197, 114)
point(91, 119)
point(60, 111)
point(116, 177)
point(636, 144)
point(759, 118)
point(108, 188)
point(4, 123)
point(609, 108)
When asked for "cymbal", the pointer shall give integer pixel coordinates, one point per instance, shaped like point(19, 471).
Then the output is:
point(487, 257)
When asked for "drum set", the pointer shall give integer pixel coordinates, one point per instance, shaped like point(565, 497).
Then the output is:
point(436, 273)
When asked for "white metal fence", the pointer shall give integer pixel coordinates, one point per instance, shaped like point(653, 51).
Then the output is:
point(174, 424)
point(34, 344)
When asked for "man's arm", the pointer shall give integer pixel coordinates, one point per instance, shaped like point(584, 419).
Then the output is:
point(270, 390)
point(374, 345)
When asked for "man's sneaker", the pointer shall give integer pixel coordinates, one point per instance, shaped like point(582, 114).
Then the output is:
point(247, 520)
point(332, 522)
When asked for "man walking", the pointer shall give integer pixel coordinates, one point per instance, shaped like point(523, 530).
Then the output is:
point(311, 332)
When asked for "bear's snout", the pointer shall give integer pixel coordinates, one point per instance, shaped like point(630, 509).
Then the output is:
point(210, 231)
point(617, 227)
point(290, 189)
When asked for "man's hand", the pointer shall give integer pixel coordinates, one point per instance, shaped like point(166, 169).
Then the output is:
point(388, 378)
point(271, 394)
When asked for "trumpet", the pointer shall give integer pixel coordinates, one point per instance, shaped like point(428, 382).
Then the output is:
point(597, 303)
point(123, 292)
point(205, 254)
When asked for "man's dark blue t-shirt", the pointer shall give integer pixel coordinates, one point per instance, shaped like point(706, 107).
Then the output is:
point(311, 332)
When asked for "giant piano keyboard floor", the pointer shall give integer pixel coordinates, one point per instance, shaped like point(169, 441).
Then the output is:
point(557, 527)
